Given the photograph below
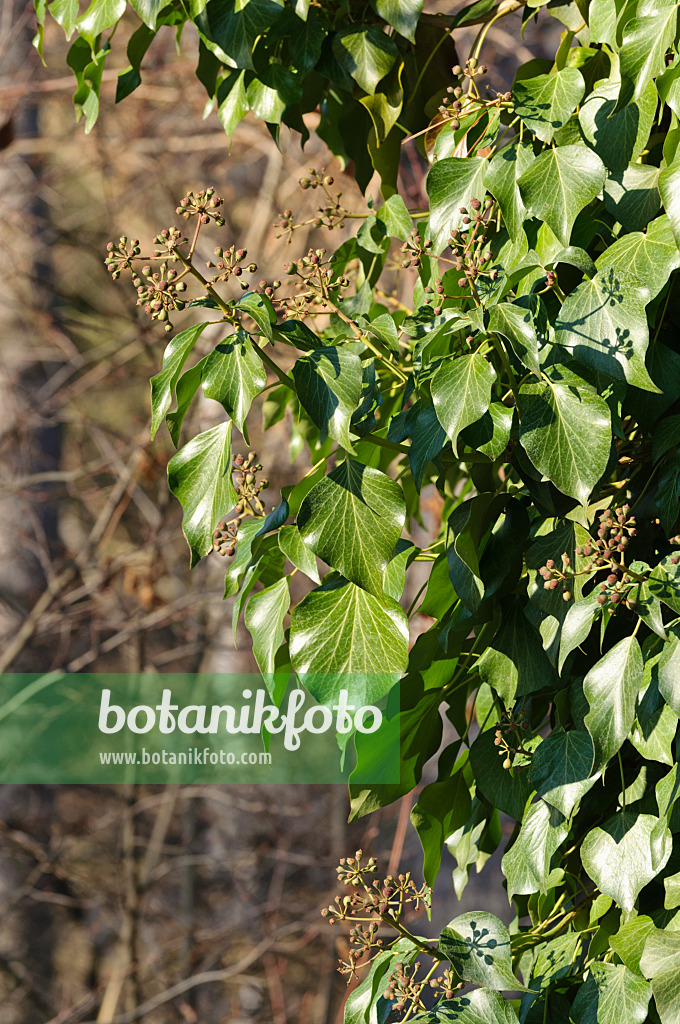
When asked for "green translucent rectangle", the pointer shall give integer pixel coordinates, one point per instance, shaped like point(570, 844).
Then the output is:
point(98, 729)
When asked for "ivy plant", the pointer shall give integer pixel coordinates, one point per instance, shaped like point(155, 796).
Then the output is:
point(534, 381)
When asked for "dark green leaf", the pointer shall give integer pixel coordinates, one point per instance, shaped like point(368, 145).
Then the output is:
point(441, 808)
point(632, 196)
point(491, 434)
point(482, 1006)
point(667, 501)
point(515, 663)
point(328, 382)
point(428, 438)
point(352, 520)
point(618, 139)
point(185, 389)
point(661, 962)
point(294, 548)
point(507, 791)
point(270, 93)
point(231, 27)
point(233, 375)
point(560, 768)
point(517, 325)
point(643, 50)
point(647, 259)
point(259, 308)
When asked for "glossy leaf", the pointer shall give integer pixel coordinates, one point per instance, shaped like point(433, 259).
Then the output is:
point(461, 392)
point(611, 994)
point(500, 179)
point(352, 520)
point(451, 184)
point(661, 963)
point(163, 383)
point(566, 432)
point(526, 865)
point(233, 375)
point(478, 947)
point(328, 382)
point(559, 184)
point(619, 855)
point(366, 53)
point(611, 688)
point(199, 476)
point(546, 103)
point(561, 767)
point(264, 617)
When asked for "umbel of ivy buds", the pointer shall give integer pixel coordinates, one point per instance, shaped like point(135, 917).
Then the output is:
point(120, 257)
point(230, 263)
point(158, 291)
point(249, 505)
point(204, 204)
point(330, 215)
point(509, 736)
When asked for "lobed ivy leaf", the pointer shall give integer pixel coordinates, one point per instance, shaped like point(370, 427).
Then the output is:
point(402, 15)
point(365, 53)
point(645, 41)
point(199, 476)
point(514, 663)
point(621, 856)
point(442, 808)
point(526, 865)
point(481, 1006)
point(352, 519)
point(507, 791)
point(295, 549)
point(559, 184)
point(618, 139)
point(230, 28)
point(645, 259)
point(517, 325)
point(611, 994)
point(343, 637)
point(546, 103)
point(233, 375)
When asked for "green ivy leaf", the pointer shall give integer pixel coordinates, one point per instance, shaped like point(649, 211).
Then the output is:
point(164, 383)
point(566, 431)
point(365, 53)
point(461, 392)
point(478, 1007)
point(295, 549)
point(148, 10)
point(491, 434)
point(328, 382)
point(500, 179)
point(231, 27)
point(478, 948)
point(603, 324)
point(428, 438)
point(668, 670)
point(618, 139)
point(560, 768)
point(559, 184)
point(611, 688)
point(632, 196)
point(451, 184)
point(185, 389)
point(611, 994)
point(199, 476)
point(402, 15)
point(526, 865)
point(361, 1005)
point(629, 941)
point(340, 630)
point(514, 663)
point(619, 857)
point(270, 93)
point(667, 500)
point(65, 13)
point(352, 520)
point(233, 375)
point(546, 103)
point(664, 581)
point(100, 15)
point(259, 308)
point(577, 625)
point(441, 808)
point(661, 963)
point(517, 325)
point(247, 532)
point(232, 101)
point(264, 617)
point(647, 259)
point(645, 41)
